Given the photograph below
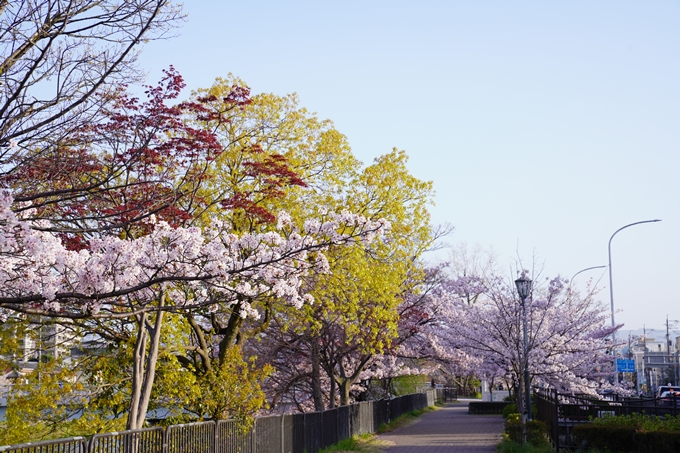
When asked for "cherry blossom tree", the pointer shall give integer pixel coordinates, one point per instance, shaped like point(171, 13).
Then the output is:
point(102, 239)
point(316, 366)
point(567, 333)
point(170, 268)
point(472, 325)
point(423, 313)
point(334, 344)
point(107, 207)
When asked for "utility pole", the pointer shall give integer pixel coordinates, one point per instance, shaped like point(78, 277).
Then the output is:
point(630, 357)
point(644, 359)
point(672, 356)
point(675, 364)
point(668, 343)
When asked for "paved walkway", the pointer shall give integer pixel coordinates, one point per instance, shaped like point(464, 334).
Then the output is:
point(449, 429)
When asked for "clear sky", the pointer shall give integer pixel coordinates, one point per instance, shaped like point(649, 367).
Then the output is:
point(545, 126)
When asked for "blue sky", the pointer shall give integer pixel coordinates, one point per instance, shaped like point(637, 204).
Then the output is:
point(545, 126)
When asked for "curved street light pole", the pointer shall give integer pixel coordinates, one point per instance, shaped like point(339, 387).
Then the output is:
point(583, 270)
point(611, 289)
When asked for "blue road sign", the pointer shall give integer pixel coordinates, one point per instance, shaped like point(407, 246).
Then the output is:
point(625, 366)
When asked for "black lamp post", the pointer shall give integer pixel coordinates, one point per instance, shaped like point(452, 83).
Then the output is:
point(524, 289)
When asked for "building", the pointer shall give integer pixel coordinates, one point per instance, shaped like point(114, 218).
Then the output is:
point(656, 362)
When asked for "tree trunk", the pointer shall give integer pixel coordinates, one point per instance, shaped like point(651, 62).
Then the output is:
point(345, 385)
point(345, 382)
point(137, 371)
point(231, 332)
point(317, 395)
point(144, 366)
point(331, 394)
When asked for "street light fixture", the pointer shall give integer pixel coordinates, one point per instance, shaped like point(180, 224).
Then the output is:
point(524, 289)
point(611, 289)
point(583, 270)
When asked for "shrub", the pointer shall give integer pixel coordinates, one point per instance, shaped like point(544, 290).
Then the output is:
point(615, 439)
point(509, 409)
point(537, 431)
point(508, 446)
point(512, 409)
point(637, 433)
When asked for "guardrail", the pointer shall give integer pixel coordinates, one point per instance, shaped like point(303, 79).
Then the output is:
point(296, 433)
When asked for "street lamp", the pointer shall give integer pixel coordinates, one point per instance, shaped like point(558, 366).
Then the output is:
point(611, 289)
point(523, 289)
point(583, 270)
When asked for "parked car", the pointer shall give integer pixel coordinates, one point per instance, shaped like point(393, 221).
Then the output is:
point(667, 399)
point(668, 395)
point(667, 388)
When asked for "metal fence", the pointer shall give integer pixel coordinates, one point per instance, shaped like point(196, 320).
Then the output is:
point(149, 440)
point(296, 433)
point(487, 407)
point(70, 445)
point(448, 394)
point(561, 412)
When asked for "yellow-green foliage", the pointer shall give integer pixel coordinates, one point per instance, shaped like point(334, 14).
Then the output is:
point(52, 402)
point(405, 385)
point(230, 390)
point(10, 332)
point(313, 148)
point(360, 295)
point(364, 288)
point(91, 394)
point(362, 292)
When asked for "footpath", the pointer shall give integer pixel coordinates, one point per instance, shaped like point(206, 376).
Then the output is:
point(449, 429)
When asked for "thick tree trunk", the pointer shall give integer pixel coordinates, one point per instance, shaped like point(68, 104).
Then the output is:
point(331, 394)
point(317, 394)
point(345, 382)
point(231, 332)
point(345, 385)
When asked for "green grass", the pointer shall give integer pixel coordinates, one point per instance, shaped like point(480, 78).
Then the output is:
point(403, 420)
point(369, 443)
point(366, 443)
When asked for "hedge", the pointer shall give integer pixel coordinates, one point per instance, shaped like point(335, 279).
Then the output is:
point(626, 439)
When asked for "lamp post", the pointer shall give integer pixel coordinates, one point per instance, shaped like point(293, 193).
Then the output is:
point(611, 289)
point(583, 270)
point(523, 289)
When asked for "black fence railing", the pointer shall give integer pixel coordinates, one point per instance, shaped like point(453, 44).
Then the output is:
point(561, 412)
point(487, 407)
point(448, 394)
point(296, 433)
